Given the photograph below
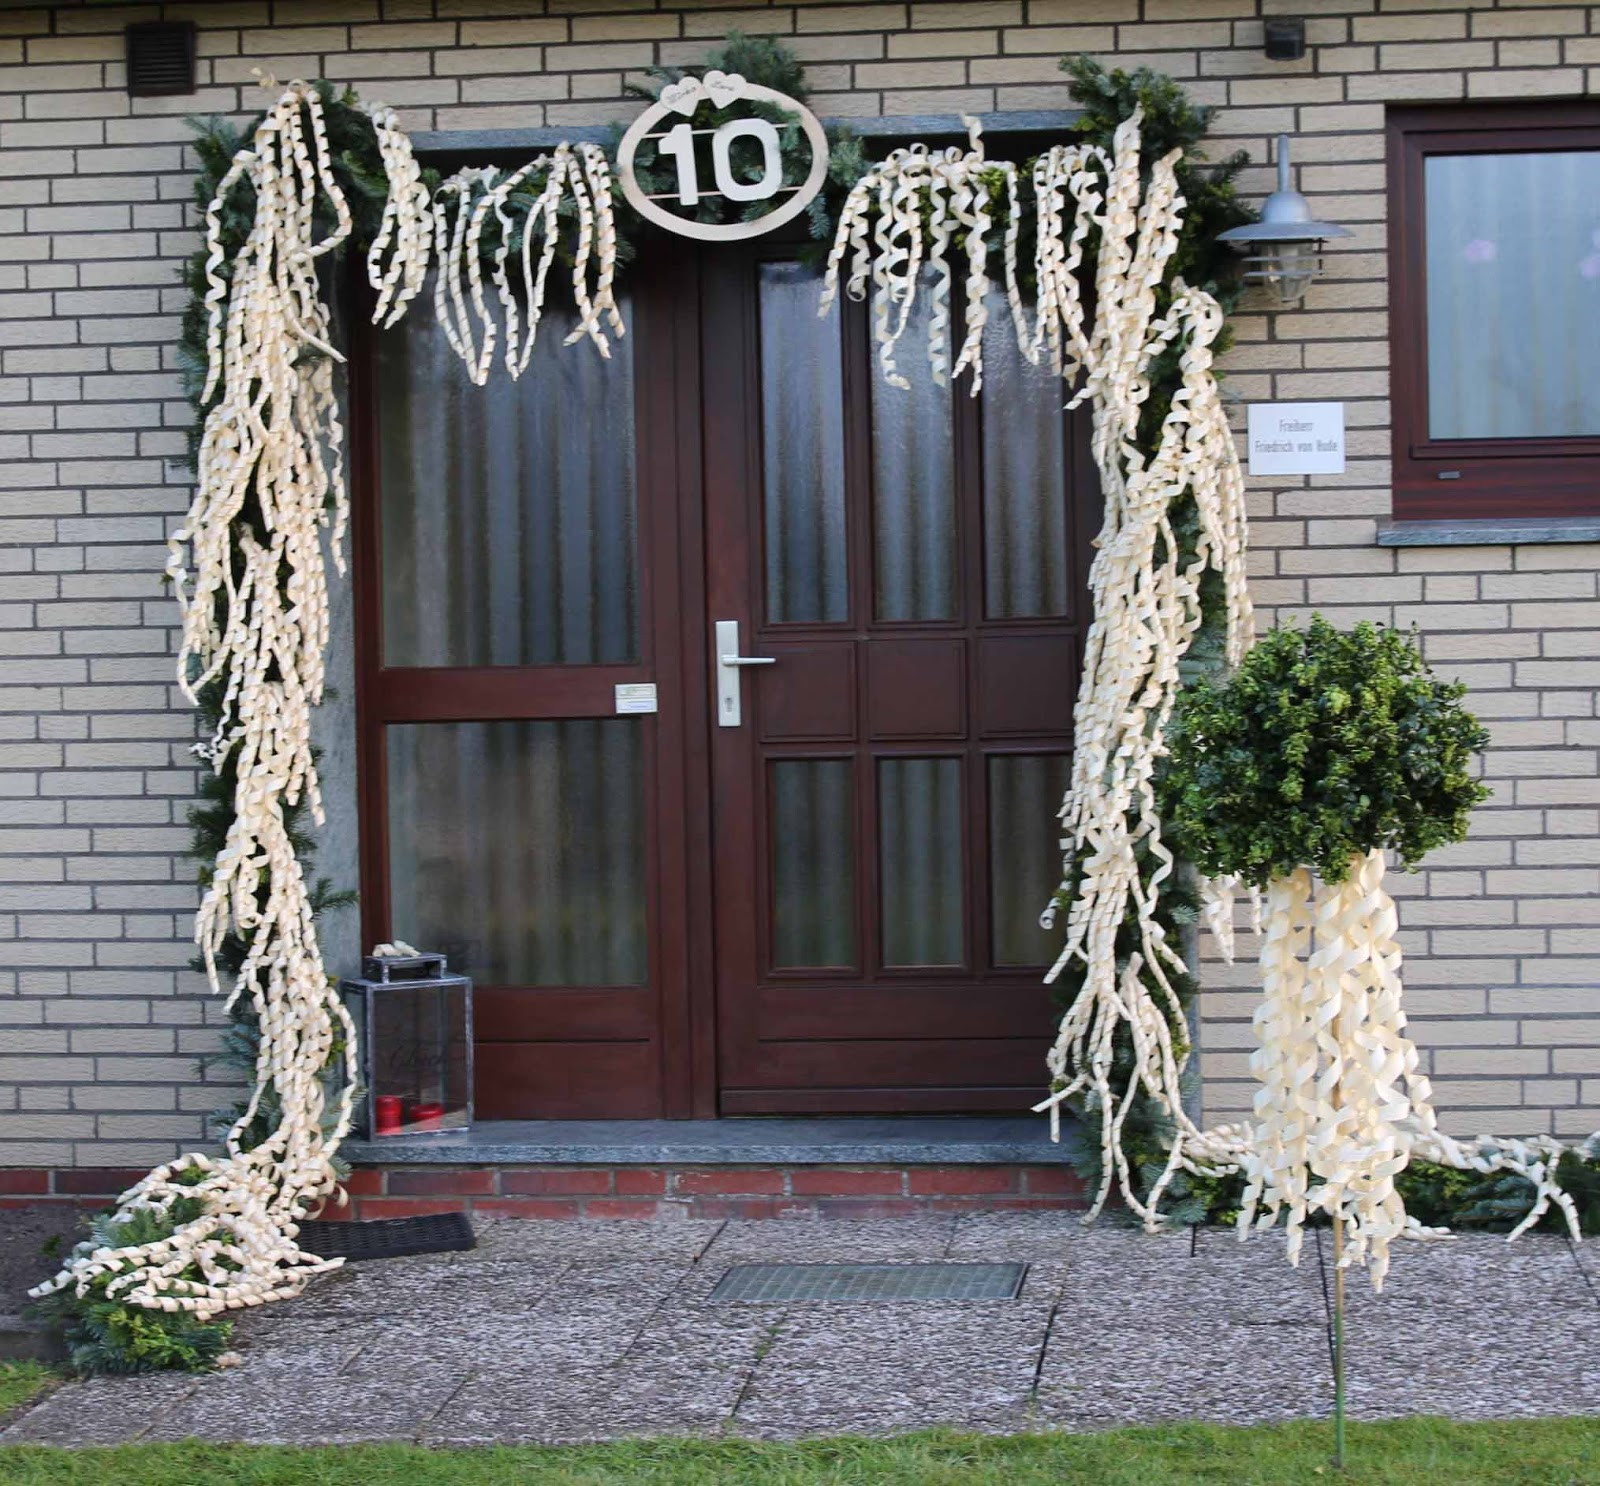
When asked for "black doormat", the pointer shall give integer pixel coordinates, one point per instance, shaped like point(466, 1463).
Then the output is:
point(388, 1238)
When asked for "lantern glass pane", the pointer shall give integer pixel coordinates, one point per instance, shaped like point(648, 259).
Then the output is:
point(1513, 276)
point(417, 1058)
point(508, 510)
point(517, 849)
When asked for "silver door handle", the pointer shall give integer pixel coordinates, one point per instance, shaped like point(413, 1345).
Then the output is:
point(730, 712)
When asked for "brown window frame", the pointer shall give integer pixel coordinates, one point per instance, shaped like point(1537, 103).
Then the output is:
point(1497, 478)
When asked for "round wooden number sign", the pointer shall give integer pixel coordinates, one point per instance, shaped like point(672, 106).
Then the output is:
point(676, 142)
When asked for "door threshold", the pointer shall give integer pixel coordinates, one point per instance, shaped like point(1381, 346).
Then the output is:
point(768, 1140)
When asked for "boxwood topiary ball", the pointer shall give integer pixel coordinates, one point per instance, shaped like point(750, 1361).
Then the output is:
point(1325, 743)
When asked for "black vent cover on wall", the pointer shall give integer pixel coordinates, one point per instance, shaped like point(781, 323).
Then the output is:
point(160, 59)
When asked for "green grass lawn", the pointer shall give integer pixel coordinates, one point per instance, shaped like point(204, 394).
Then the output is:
point(1556, 1452)
point(20, 1382)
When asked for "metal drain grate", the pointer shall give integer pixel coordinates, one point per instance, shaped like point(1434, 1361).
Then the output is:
point(778, 1283)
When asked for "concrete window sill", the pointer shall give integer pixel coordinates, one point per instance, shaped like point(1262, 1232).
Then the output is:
point(1498, 532)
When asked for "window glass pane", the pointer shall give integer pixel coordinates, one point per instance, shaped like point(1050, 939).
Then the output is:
point(920, 860)
point(508, 510)
point(913, 481)
point(1513, 275)
point(1024, 478)
point(517, 848)
point(1025, 794)
point(802, 458)
point(813, 863)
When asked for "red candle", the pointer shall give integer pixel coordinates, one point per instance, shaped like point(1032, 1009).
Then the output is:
point(426, 1116)
point(386, 1114)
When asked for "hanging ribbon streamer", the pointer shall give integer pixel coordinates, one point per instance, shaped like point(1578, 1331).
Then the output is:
point(255, 624)
point(525, 205)
point(916, 202)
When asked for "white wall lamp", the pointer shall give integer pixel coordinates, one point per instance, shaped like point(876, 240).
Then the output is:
point(1284, 249)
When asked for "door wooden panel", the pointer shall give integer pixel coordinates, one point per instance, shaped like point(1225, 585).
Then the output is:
point(939, 630)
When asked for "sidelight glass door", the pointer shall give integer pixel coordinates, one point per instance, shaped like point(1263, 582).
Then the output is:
point(512, 814)
point(906, 565)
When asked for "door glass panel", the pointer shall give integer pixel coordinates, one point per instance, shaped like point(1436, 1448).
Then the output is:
point(813, 863)
point(1024, 478)
point(508, 511)
point(1025, 794)
point(913, 484)
point(920, 861)
point(802, 450)
point(1513, 273)
point(518, 848)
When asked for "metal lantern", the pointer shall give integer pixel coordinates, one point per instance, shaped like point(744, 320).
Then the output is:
point(415, 1023)
point(1284, 249)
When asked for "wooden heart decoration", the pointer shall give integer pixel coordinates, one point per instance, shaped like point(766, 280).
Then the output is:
point(723, 87)
point(682, 97)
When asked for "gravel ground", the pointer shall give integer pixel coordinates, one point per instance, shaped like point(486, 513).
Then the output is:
point(558, 1332)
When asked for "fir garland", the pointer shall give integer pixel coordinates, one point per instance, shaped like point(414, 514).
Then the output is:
point(1212, 205)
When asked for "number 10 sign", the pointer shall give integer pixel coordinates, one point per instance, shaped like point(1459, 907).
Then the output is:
point(677, 143)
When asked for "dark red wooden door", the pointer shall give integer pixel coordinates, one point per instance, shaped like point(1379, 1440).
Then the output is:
point(524, 809)
point(905, 568)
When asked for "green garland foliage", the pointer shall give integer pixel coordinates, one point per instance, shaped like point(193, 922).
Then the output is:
point(1436, 1196)
point(106, 1334)
point(1324, 744)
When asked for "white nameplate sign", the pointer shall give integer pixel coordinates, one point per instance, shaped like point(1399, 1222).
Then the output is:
point(669, 123)
point(635, 696)
point(1296, 438)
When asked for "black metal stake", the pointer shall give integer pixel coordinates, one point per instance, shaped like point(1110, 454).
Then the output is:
point(1338, 1342)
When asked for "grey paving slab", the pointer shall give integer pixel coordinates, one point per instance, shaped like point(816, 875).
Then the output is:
point(680, 1372)
point(1149, 1331)
point(1587, 1254)
point(1477, 1328)
point(881, 1369)
point(567, 1332)
point(565, 1241)
point(429, 1294)
point(831, 1241)
point(1017, 1235)
point(1467, 1270)
point(318, 1400)
point(100, 1411)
